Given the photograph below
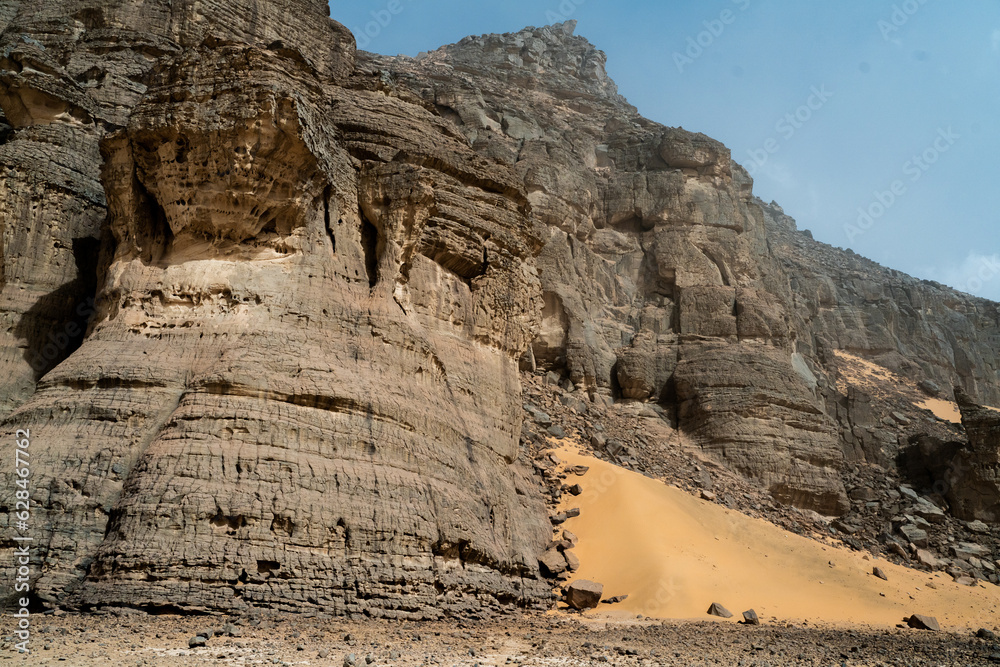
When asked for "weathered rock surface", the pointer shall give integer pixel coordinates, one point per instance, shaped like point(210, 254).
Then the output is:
point(975, 492)
point(921, 622)
point(655, 258)
point(584, 594)
point(966, 474)
point(918, 328)
point(717, 609)
point(264, 300)
point(299, 388)
point(663, 277)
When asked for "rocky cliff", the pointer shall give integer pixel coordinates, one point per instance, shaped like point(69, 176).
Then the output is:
point(266, 298)
point(665, 279)
point(298, 386)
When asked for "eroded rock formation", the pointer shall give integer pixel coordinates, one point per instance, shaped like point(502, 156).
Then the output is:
point(657, 279)
point(265, 299)
point(975, 471)
point(299, 388)
point(665, 279)
point(965, 474)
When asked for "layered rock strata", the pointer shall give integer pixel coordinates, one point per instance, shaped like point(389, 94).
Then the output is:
point(298, 388)
point(264, 300)
point(665, 279)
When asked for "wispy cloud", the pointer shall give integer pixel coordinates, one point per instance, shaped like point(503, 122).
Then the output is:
point(995, 40)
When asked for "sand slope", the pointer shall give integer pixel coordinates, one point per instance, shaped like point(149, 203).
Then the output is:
point(674, 555)
point(880, 381)
point(942, 409)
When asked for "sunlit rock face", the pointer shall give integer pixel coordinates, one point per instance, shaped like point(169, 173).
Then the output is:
point(299, 384)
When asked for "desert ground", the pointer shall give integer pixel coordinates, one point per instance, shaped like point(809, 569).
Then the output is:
point(550, 640)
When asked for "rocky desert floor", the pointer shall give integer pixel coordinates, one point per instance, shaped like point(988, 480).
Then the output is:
point(137, 639)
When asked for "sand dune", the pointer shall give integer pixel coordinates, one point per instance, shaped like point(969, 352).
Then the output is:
point(674, 555)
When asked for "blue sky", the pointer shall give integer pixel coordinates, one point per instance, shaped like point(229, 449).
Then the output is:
point(874, 123)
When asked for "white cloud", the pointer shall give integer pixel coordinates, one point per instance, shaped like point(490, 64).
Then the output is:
point(978, 274)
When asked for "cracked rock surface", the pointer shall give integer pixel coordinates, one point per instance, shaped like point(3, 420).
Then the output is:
point(265, 300)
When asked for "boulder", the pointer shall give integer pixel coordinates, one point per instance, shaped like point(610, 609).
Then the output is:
point(965, 550)
point(930, 388)
point(717, 609)
point(583, 594)
point(863, 494)
point(573, 403)
point(927, 559)
point(615, 599)
point(915, 535)
point(921, 622)
point(553, 563)
point(978, 527)
point(750, 618)
point(928, 512)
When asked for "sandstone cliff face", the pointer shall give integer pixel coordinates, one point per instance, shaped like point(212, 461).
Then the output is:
point(664, 279)
point(964, 474)
point(921, 330)
point(918, 328)
point(299, 386)
point(974, 471)
point(657, 279)
point(265, 301)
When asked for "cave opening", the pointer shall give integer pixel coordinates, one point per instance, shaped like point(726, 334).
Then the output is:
point(326, 219)
point(369, 245)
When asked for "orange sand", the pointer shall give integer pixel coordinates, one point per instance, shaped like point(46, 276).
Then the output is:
point(946, 410)
point(868, 375)
point(674, 555)
point(877, 380)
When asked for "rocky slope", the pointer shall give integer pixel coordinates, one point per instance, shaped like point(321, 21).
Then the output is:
point(265, 299)
point(665, 279)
